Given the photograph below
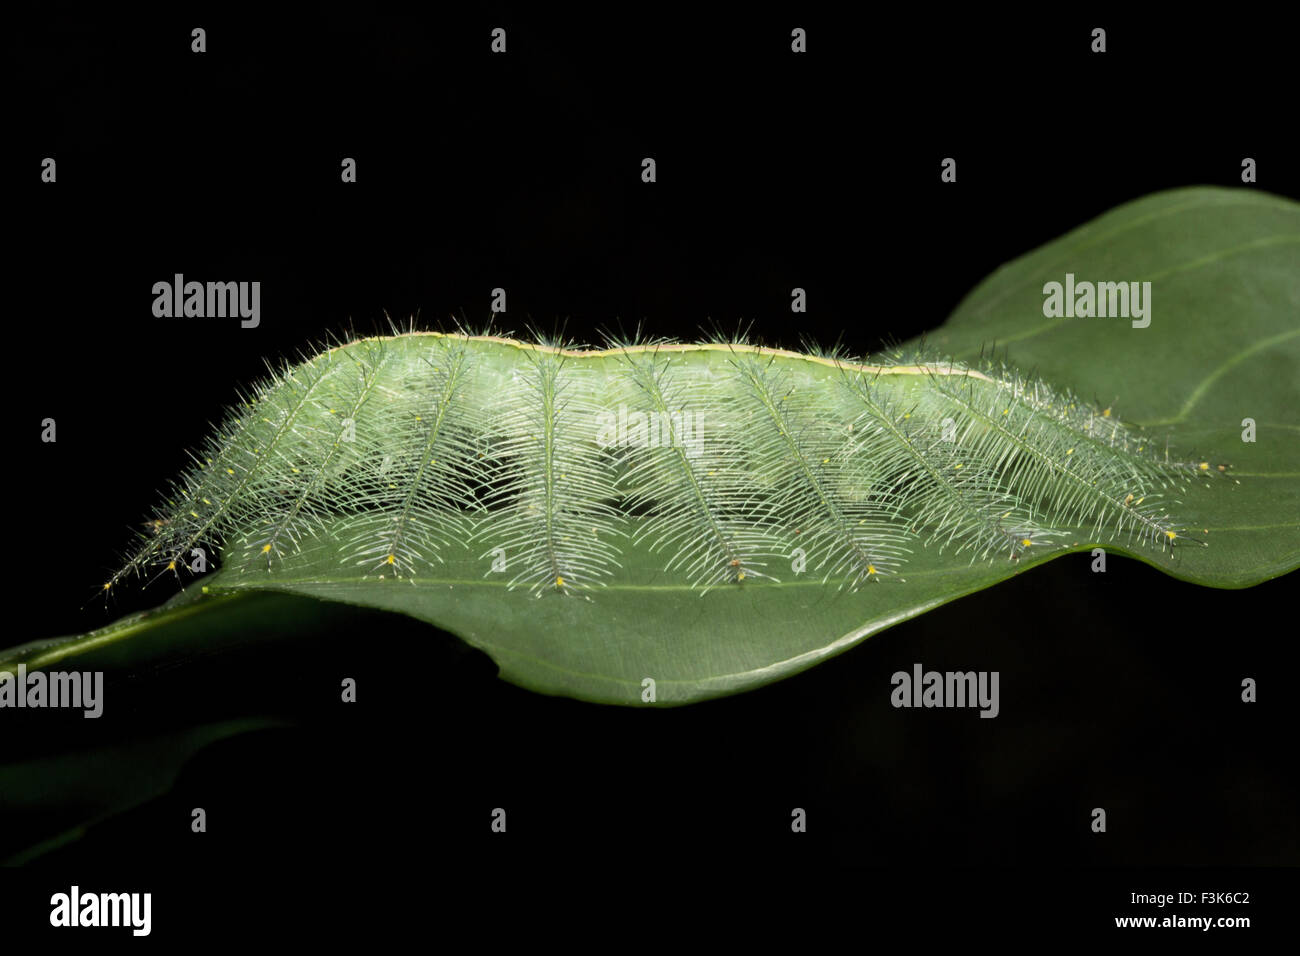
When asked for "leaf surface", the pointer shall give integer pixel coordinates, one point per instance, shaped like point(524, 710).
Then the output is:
point(637, 607)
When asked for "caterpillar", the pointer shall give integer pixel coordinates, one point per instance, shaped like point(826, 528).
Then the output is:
point(721, 457)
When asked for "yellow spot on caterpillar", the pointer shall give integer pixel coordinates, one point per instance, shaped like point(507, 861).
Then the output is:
point(266, 548)
point(1171, 535)
point(1026, 543)
point(1204, 466)
point(559, 582)
point(391, 559)
point(1106, 413)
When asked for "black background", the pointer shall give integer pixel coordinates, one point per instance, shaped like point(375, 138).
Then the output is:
point(523, 171)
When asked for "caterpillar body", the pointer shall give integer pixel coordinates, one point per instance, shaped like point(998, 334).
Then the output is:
point(722, 458)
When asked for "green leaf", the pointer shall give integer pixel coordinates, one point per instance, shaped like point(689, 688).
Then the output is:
point(700, 594)
point(61, 796)
point(1223, 346)
point(62, 774)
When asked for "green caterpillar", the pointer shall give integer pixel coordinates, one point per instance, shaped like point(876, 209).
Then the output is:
point(724, 458)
